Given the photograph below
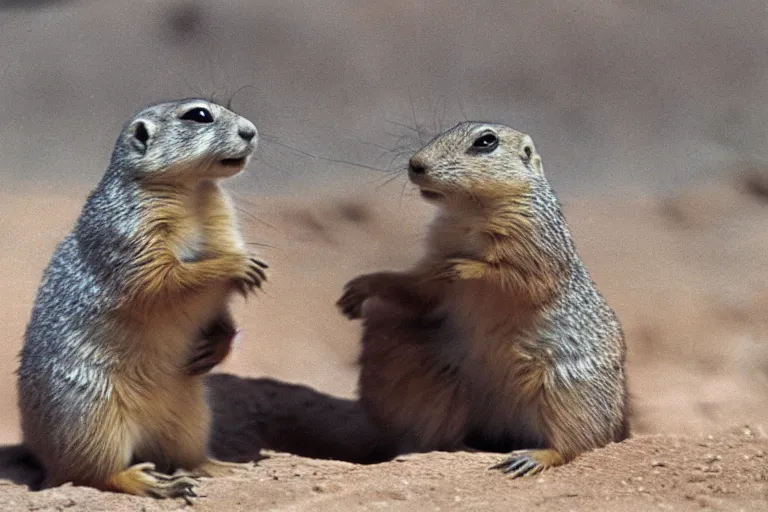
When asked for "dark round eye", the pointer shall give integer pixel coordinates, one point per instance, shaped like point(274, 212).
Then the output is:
point(485, 143)
point(198, 115)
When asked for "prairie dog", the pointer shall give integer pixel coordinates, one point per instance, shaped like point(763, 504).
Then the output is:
point(110, 385)
point(497, 336)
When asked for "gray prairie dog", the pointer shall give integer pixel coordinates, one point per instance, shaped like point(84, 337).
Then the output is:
point(133, 309)
point(497, 336)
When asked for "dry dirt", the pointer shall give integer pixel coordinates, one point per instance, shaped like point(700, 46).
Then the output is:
point(723, 472)
point(686, 273)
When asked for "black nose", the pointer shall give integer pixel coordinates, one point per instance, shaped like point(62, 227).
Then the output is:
point(247, 133)
point(416, 167)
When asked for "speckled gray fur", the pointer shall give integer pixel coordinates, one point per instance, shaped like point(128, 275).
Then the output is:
point(65, 368)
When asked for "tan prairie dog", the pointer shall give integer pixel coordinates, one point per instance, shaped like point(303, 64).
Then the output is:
point(133, 309)
point(498, 336)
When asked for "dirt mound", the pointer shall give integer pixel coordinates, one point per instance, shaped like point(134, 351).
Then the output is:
point(728, 471)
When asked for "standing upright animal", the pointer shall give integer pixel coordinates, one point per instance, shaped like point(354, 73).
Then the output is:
point(133, 309)
point(497, 337)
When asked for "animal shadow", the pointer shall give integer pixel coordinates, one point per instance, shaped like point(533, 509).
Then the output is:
point(254, 414)
point(250, 415)
point(18, 465)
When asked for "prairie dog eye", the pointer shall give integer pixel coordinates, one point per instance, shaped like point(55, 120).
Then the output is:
point(198, 115)
point(485, 143)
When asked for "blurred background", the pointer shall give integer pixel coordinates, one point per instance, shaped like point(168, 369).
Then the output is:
point(650, 116)
point(648, 93)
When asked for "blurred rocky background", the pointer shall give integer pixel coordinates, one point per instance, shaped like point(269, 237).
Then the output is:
point(618, 94)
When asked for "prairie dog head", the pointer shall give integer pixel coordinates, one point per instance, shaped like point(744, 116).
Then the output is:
point(186, 140)
point(475, 161)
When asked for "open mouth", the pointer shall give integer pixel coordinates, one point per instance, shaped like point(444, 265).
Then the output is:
point(233, 162)
point(430, 195)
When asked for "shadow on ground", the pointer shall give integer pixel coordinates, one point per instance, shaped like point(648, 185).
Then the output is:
point(254, 414)
point(251, 415)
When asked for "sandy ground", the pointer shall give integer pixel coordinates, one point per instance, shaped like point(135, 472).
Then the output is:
point(686, 274)
point(724, 472)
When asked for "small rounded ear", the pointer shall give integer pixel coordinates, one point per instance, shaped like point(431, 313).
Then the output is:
point(528, 154)
point(142, 131)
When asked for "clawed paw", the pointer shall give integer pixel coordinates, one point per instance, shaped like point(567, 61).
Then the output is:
point(212, 347)
point(179, 487)
point(160, 485)
point(529, 462)
point(355, 293)
point(255, 275)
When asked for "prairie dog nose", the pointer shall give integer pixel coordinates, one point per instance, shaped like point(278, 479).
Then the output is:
point(416, 166)
point(246, 130)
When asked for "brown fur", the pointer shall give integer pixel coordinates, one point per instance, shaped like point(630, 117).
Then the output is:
point(174, 217)
point(498, 331)
point(149, 390)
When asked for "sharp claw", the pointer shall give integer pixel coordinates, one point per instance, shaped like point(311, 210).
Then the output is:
point(513, 465)
point(523, 470)
point(254, 276)
point(168, 486)
point(261, 274)
point(252, 281)
point(259, 263)
point(351, 302)
point(187, 493)
point(535, 471)
point(521, 465)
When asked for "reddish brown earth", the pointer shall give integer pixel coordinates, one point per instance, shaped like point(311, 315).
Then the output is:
point(686, 273)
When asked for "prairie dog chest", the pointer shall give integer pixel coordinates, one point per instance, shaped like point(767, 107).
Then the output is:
point(448, 238)
point(189, 240)
point(483, 315)
point(196, 223)
point(203, 224)
point(488, 337)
